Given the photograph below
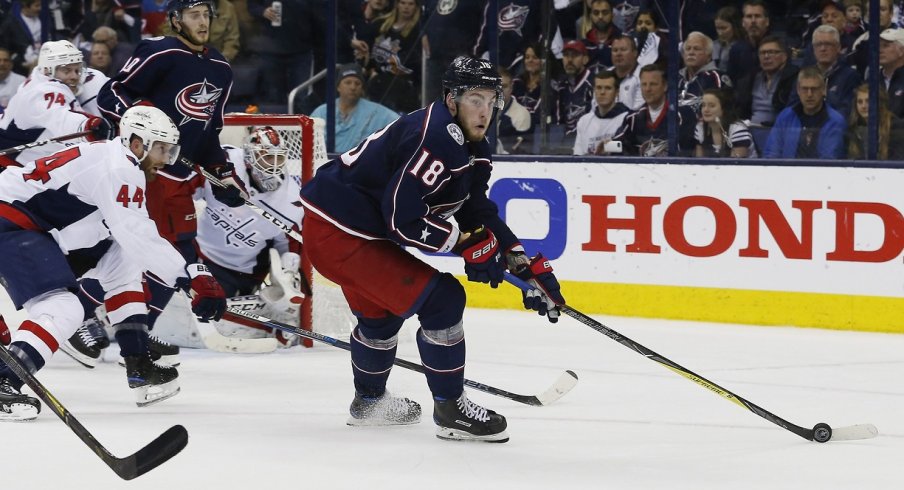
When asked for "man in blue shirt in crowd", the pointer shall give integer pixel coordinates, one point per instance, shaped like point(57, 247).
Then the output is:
point(356, 117)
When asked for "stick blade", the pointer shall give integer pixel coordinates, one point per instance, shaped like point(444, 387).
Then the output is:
point(562, 386)
point(854, 432)
point(159, 451)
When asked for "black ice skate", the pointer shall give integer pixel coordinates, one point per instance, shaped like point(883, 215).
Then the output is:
point(163, 353)
point(149, 382)
point(87, 344)
point(383, 410)
point(15, 406)
point(464, 420)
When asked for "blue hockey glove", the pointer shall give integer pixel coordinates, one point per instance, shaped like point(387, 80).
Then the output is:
point(234, 194)
point(483, 262)
point(208, 301)
point(537, 271)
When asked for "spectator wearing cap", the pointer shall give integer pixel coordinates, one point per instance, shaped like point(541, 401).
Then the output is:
point(356, 117)
point(573, 91)
point(860, 55)
point(891, 61)
point(120, 52)
point(625, 66)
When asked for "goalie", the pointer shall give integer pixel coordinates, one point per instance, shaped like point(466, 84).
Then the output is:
point(241, 248)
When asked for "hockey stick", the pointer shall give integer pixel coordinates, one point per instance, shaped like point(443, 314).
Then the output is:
point(821, 432)
point(159, 451)
point(563, 385)
point(20, 148)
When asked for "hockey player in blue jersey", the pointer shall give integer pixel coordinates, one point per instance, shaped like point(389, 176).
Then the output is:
point(190, 83)
point(396, 189)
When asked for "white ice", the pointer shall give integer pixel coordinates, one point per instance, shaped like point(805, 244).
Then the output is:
point(277, 421)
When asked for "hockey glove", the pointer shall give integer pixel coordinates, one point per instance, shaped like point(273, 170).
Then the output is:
point(483, 262)
point(5, 336)
point(208, 301)
point(546, 297)
point(100, 129)
point(234, 194)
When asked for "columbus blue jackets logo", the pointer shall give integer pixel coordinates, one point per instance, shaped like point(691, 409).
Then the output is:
point(198, 101)
point(513, 17)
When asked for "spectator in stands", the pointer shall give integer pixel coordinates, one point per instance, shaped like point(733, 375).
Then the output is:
point(891, 61)
point(224, 30)
point(153, 18)
point(100, 59)
point(453, 25)
point(599, 35)
point(841, 79)
point(831, 14)
point(891, 128)
point(729, 31)
point(9, 81)
point(356, 117)
point(120, 52)
point(572, 18)
point(127, 14)
point(527, 87)
point(597, 127)
point(743, 59)
point(699, 72)
point(809, 128)
point(652, 44)
point(859, 56)
point(763, 95)
point(646, 132)
point(720, 133)
point(854, 24)
point(395, 58)
point(519, 22)
point(101, 13)
point(514, 125)
point(366, 27)
point(624, 64)
point(286, 49)
point(573, 91)
point(20, 32)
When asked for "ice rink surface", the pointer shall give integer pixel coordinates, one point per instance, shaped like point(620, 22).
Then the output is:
point(277, 421)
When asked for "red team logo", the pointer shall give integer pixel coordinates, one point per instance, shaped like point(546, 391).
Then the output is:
point(198, 101)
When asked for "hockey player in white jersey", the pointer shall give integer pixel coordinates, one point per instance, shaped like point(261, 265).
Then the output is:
point(240, 247)
point(46, 107)
point(82, 203)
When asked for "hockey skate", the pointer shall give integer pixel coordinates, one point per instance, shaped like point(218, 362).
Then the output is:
point(149, 382)
point(162, 353)
point(15, 406)
point(383, 410)
point(464, 420)
point(87, 343)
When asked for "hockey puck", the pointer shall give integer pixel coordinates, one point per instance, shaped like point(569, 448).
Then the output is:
point(822, 432)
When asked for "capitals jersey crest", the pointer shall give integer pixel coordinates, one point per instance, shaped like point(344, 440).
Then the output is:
point(198, 101)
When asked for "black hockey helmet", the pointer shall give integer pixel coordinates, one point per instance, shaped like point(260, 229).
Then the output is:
point(467, 73)
point(174, 8)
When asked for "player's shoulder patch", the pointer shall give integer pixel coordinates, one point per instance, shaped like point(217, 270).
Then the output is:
point(456, 134)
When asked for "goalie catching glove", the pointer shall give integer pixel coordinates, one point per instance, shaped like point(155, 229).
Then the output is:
point(234, 194)
point(483, 262)
point(208, 301)
point(537, 271)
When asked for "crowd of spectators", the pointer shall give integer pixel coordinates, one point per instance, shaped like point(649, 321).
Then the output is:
point(756, 77)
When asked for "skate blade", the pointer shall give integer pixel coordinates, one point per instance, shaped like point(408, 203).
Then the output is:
point(450, 434)
point(19, 412)
point(151, 394)
point(164, 361)
point(377, 422)
point(87, 361)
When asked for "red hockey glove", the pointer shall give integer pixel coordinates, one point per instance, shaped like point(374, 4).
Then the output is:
point(208, 301)
point(5, 336)
point(100, 129)
point(234, 194)
point(537, 271)
point(483, 262)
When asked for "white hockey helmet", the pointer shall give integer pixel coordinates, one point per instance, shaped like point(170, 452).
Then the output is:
point(266, 157)
point(151, 125)
point(59, 53)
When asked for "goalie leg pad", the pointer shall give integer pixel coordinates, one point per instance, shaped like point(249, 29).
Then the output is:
point(373, 345)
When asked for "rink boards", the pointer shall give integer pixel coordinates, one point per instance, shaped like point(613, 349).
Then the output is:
point(805, 246)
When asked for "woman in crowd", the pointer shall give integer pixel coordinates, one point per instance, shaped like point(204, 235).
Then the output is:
point(890, 127)
point(728, 31)
point(652, 43)
point(395, 58)
point(720, 133)
point(527, 87)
